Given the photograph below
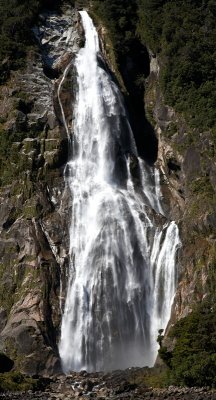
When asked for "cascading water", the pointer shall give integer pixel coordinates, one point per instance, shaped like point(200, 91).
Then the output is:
point(122, 275)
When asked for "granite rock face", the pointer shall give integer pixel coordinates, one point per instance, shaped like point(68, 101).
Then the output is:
point(34, 199)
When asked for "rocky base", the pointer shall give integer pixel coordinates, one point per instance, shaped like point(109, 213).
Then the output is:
point(115, 385)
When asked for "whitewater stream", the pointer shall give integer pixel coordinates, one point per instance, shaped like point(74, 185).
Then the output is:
point(123, 275)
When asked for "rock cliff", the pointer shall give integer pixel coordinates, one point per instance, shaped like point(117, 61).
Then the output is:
point(186, 158)
point(35, 201)
point(33, 195)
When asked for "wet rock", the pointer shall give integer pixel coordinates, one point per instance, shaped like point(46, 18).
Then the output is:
point(87, 385)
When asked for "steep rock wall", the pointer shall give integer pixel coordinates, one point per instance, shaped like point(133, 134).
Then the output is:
point(186, 158)
point(34, 199)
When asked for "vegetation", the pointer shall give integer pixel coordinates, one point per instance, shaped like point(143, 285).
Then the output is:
point(15, 381)
point(120, 16)
point(16, 20)
point(183, 33)
point(192, 362)
point(149, 377)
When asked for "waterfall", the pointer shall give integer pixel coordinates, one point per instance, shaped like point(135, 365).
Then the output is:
point(122, 275)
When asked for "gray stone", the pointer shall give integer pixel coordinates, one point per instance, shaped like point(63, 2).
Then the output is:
point(51, 120)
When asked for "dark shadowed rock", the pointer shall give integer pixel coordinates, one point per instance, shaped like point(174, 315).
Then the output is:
point(6, 364)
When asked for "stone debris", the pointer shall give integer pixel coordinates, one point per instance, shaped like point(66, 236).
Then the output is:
point(115, 385)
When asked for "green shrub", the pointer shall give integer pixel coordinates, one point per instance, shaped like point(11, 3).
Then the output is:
point(183, 34)
point(193, 359)
point(16, 20)
point(15, 381)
